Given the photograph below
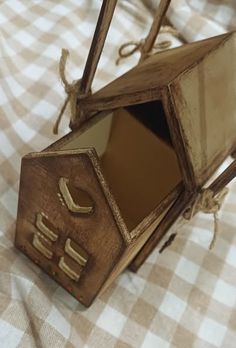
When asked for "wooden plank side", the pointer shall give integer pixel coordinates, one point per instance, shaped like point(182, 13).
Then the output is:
point(132, 251)
point(205, 105)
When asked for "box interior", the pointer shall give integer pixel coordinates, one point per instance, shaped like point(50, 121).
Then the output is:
point(137, 158)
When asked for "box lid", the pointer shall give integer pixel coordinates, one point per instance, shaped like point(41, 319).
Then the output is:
point(145, 82)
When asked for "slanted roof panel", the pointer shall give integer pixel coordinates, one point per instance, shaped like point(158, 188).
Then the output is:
point(145, 82)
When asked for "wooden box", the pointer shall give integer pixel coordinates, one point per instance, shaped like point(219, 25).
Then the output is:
point(102, 197)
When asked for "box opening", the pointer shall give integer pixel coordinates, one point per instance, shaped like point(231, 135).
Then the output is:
point(137, 158)
point(145, 113)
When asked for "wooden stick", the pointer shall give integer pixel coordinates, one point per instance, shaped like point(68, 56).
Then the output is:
point(155, 29)
point(224, 179)
point(103, 24)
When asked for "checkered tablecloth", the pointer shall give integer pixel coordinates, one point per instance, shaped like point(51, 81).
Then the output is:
point(185, 297)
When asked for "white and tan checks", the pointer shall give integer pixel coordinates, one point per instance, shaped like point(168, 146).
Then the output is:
point(185, 297)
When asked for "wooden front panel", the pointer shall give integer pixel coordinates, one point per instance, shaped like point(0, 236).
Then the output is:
point(71, 234)
point(205, 104)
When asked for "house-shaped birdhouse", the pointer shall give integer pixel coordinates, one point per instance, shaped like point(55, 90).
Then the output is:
point(103, 196)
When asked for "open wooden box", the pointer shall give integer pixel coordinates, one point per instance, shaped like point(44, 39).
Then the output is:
point(102, 197)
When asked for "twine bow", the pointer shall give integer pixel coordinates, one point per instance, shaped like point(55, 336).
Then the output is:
point(128, 49)
point(208, 203)
point(71, 89)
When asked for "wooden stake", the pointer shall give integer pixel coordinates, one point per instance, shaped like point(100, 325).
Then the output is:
point(99, 38)
point(155, 29)
point(224, 179)
point(103, 24)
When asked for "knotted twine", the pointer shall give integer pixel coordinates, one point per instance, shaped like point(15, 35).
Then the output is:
point(71, 89)
point(208, 203)
point(137, 46)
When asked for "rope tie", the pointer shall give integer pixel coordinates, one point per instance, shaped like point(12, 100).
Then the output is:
point(208, 203)
point(129, 48)
point(71, 89)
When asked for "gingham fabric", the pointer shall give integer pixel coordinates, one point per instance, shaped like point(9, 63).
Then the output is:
point(185, 297)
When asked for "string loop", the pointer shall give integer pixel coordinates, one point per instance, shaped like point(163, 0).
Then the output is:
point(208, 203)
point(71, 89)
point(129, 48)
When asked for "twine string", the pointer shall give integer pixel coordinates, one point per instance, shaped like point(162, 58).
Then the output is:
point(71, 90)
point(129, 48)
point(208, 203)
